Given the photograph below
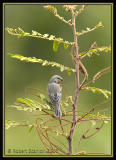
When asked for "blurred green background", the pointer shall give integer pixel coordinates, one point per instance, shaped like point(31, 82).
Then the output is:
point(20, 75)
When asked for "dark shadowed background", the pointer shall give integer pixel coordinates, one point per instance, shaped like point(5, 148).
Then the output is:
point(20, 75)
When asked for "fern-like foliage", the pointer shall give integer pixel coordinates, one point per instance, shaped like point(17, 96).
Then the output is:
point(106, 93)
point(43, 62)
point(53, 10)
point(30, 105)
point(99, 25)
point(20, 33)
point(9, 124)
point(96, 51)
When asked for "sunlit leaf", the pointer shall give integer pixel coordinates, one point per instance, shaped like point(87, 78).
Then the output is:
point(31, 127)
point(55, 45)
point(21, 33)
point(106, 93)
point(66, 45)
point(42, 62)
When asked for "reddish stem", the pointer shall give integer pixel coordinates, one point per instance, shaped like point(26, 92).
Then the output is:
point(77, 83)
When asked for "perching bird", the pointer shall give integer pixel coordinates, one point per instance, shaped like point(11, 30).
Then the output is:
point(54, 93)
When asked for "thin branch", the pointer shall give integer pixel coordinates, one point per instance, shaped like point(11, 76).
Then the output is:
point(89, 29)
point(81, 10)
point(62, 151)
point(50, 144)
point(54, 11)
point(93, 108)
point(86, 137)
point(81, 138)
point(58, 140)
point(62, 19)
point(76, 66)
point(66, 120)
point(61, 125)
point(95, 119)
point(85, 73)
point(82, 69)
point(96, 50)
point(97, 130)
point(98, 75)
point(39, 134)
point(77, 82)
point(48, 120)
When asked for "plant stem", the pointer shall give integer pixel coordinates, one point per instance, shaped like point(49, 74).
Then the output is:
point(70, 138)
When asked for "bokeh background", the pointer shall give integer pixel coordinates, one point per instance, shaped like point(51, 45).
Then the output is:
point(19, 75)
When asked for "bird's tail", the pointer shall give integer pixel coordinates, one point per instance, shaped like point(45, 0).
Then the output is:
point(57, 111)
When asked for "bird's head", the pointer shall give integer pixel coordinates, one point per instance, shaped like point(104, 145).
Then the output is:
point(56, 79)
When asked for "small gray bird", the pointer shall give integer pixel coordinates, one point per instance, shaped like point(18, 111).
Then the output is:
point(54, 93)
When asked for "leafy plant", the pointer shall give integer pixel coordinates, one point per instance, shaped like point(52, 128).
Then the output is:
point(71, 118)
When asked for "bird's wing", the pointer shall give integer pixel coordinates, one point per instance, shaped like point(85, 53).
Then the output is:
point(54, 92)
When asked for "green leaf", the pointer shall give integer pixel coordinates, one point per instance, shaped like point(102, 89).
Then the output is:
point(55, 45)
point(62, 68)
point(31, 127)
point(52, 37)
point(65, 45)
point(42, 62)
point(45, 35)
point(69, 73)
point(45, 63)
point(27, 104)
point(96, 51)
point(20, 33)
point(9, 124)
point(90, 29)
point(42, 96)
point(106, 93)
point(51, 9)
